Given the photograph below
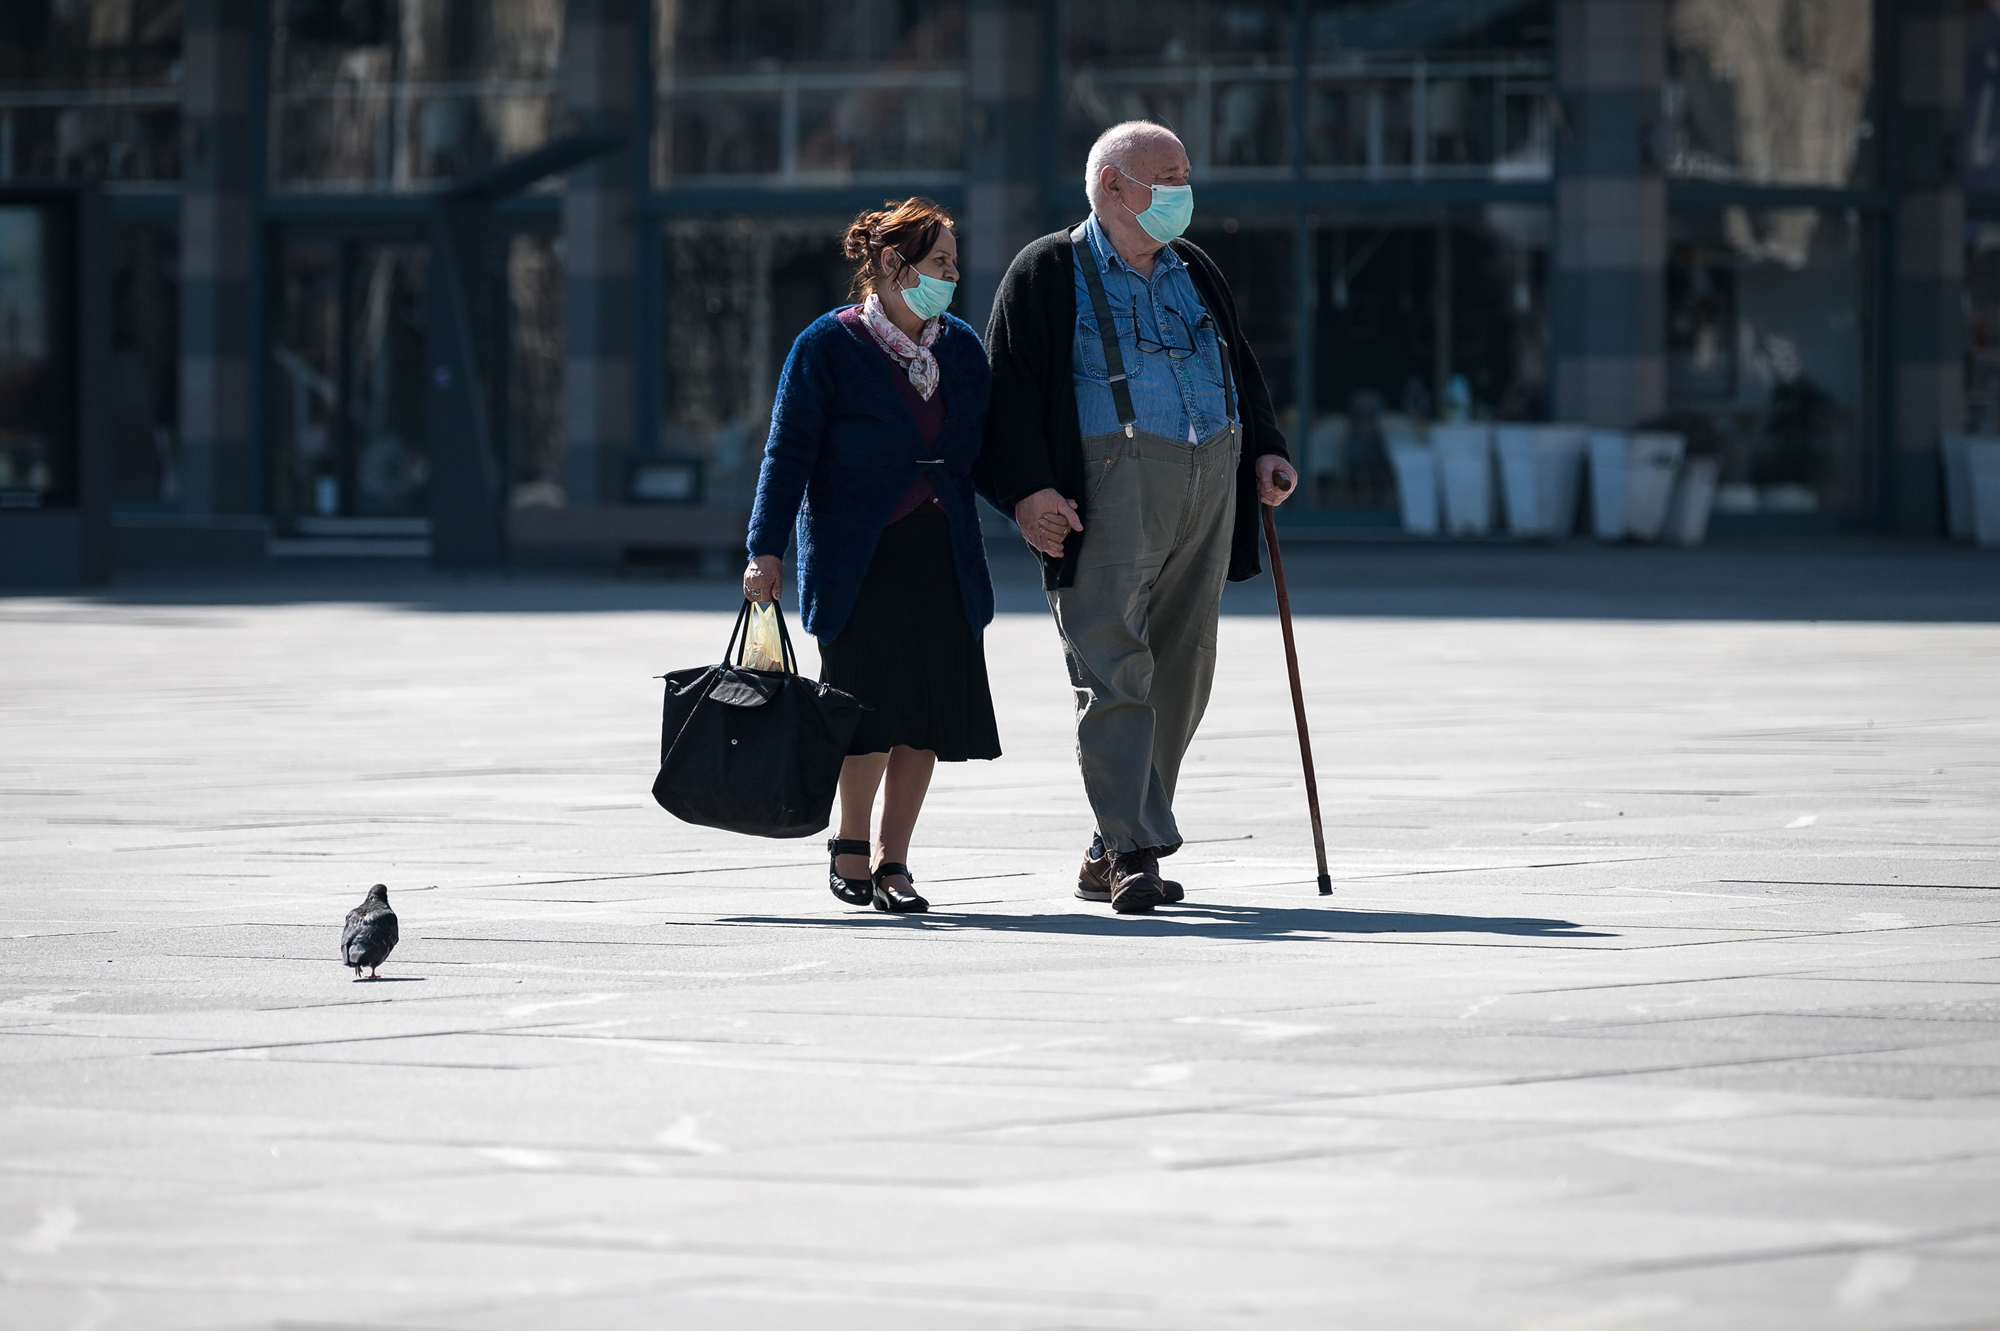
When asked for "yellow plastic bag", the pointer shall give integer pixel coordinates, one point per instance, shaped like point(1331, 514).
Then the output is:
point(763, 649)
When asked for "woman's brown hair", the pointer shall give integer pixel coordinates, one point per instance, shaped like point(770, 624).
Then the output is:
point(910, 228)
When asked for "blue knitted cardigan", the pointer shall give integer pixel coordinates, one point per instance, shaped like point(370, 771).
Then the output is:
point(843, 450)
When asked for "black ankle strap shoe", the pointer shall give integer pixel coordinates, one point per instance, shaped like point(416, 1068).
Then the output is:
point(854, 891)
point(897, 900)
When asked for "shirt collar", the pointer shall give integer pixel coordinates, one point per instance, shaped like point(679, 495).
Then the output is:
point(1109, 258)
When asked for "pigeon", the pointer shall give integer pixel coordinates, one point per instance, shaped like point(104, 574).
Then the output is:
point(370, 935)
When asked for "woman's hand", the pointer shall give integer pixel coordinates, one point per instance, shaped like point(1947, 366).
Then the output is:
point(762, 577)
point(1046, 519)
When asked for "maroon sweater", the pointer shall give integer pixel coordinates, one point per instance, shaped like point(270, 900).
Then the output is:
point(928, 415)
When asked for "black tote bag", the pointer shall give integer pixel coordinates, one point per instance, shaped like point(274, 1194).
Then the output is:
point(753, 751)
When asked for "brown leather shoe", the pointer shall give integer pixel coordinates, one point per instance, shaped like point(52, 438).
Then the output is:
point(1135, 882)
point(1093, 879)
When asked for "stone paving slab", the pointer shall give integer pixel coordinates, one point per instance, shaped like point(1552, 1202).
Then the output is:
point(1661, 988)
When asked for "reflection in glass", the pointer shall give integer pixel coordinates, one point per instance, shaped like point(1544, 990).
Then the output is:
point(819, 92)
point(1771, 92)
point(37, 372)
point(145, 341)
point(348, 379)
point(531, 424)
point(90, 88)
point(1414, 91)
point(399, 94)
point(1421, 319)
point(1218, 74)
point(737, 292)
point(1982, 328)
point(1766, 346)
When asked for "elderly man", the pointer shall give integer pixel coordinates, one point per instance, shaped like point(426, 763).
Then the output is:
point(1132, 436)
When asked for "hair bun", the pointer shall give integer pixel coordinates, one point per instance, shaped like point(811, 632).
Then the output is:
point(860, 239)
point(908, 226)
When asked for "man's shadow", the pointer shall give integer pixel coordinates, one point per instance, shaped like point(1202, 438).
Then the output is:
point(1206, 921)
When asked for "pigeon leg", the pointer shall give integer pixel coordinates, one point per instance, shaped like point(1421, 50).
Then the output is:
point(372, 975)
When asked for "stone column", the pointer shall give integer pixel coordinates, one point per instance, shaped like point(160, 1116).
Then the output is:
point(1929, 281)
point(217, 223)
point(1002, 147)
point(599, 65)
point(1608, 302)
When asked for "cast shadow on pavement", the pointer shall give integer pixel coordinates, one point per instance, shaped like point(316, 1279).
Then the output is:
point(1205, 920)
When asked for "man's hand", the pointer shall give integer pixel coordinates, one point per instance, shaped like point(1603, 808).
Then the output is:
point(1277, 479)
point(761, 578)
point(1046, 519)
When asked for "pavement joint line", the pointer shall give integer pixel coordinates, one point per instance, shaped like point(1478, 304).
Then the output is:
point(1834, 1248)
point(351, 1039)
point(1800, 882)
point(615, 877)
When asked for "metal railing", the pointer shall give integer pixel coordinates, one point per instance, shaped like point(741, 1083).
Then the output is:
point(419, 134)
point(788, 99)
point(1363, 120)
point(101, 132)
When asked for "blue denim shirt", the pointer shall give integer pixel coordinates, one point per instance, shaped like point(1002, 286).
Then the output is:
point(1175, 395)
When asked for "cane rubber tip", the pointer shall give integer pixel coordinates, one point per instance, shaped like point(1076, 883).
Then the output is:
point(1325, 885)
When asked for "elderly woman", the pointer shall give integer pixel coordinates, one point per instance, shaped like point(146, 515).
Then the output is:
point(879, 418)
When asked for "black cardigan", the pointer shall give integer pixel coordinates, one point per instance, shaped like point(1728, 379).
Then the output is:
point(1033, 440)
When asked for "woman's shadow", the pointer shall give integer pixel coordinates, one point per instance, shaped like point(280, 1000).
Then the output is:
point(1208, 920)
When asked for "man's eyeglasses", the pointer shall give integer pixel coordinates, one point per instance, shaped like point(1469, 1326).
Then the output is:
point(1174, 352)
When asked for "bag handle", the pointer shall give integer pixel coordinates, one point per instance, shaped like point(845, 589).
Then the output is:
point(741, 631)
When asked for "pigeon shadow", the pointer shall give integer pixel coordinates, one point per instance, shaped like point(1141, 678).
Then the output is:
point(1206, 921)
point(388, 979)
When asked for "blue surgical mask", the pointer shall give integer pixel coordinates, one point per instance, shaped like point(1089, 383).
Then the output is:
point(1168, 215)
point(929, 297)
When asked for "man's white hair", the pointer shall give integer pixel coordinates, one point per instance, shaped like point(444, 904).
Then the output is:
point(1116, 147)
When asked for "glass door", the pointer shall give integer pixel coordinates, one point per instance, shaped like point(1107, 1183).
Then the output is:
point(37, 374)
point(347, 382)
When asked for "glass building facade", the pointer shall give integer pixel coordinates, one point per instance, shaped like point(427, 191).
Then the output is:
point(1426, 208)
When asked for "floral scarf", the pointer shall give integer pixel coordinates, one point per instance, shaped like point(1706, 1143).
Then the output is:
point(913, 356)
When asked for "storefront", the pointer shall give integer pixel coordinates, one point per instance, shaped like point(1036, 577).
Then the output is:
point(1712, 214)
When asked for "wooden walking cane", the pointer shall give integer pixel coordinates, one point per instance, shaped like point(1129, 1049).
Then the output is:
point(1284, 482)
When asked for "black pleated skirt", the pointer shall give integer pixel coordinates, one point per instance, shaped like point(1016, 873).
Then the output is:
point(908, 652)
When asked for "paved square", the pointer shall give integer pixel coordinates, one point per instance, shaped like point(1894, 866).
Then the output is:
point(1661, 988)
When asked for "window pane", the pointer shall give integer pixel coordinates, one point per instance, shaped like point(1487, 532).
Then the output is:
point(1771, 92)
point(1219, 75)
point(90, 88)
point(145, 337)
point(400, 94)
point(1255, 253)
point(809, 92)
point(737, 292)
point(1766, 353)
point(37, 370)
point(1421, 318)
point(1399, 91)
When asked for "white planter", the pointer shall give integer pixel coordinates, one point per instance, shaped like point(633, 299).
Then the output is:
point(1957, 486)
point(1632, 482)
point(1465, 474)
point(1693, 501)
point(1653, 464)
point(1541, 470)
point(1608, 450)
point(1416, 487)
point(1982, 464)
